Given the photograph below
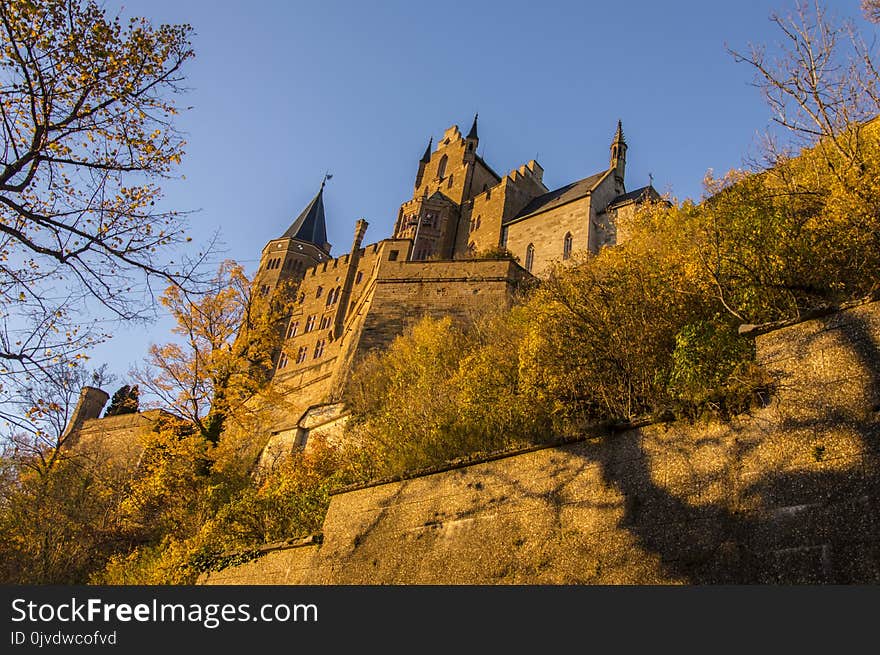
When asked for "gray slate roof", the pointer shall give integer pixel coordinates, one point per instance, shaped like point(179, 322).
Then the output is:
point(639, 195)
point(310, 226)
point(560, 196)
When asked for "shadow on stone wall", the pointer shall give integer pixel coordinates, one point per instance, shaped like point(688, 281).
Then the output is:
point(784, 526)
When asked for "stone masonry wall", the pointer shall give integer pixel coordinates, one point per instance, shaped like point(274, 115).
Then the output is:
point(788, 494)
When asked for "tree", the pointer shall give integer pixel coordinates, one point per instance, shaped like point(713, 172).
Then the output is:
point(86, 133)
point(230, 337)
point(872, 10)
point(124, 401)
point(822, 83)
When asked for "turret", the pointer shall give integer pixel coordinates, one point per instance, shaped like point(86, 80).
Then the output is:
point(618, 153)
point(91, 402)
point(472, 141)
point(426, 158)
point(304, 244)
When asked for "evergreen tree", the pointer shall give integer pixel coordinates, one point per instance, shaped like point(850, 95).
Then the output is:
point(124, 401)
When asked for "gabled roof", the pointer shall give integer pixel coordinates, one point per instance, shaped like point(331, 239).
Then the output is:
point(310, 226)
point(639, 195)
point(560, 196)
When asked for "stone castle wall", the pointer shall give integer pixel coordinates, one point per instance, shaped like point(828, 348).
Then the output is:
point(118, 440)
point(390, 294)
point(787, 494)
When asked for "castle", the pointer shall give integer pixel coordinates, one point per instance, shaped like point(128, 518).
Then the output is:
point(443, 259)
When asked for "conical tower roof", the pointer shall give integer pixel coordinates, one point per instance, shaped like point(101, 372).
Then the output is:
point(310, 226)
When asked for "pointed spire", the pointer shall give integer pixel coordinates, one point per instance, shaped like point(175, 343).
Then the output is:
point(473, 133)
point(618, 136)
point(427, 156)
point(310, 226)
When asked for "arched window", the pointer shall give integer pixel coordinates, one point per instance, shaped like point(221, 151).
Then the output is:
point(566, 246)
point(530, 257)
point(319, 292)
point(441, 168)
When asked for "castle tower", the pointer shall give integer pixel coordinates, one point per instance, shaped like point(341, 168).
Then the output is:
point(472, 141)
point(304, 244)
point(618, 154)
point(447, 180)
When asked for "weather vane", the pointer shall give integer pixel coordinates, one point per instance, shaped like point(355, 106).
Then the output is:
point(327, 176)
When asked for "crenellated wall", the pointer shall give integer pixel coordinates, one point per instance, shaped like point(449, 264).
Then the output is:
point(787, 494)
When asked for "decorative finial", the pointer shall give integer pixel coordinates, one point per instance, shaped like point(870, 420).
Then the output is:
point(650, 179)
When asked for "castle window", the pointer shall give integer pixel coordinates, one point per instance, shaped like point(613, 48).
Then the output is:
point(488, 193)
point(319, 292)
point(310, 323)
point(319, 348)
point(471, 145)
point(503, 237)
point(264, 289)
point(530, 257)
point(358, 277)
point(477, 224)
point(325, 322)
point(566, 246)
point(301, 354)
point(392, 256)
point(282, 361)
point(333, 296)
point(302, 298)
point(449, 184)
point(441, 168)
point(293, 329)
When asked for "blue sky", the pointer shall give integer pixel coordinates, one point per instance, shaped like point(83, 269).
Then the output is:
point(282, 91)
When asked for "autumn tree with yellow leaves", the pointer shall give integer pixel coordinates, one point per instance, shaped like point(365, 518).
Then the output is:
point(87, 134)
point(229, 337)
